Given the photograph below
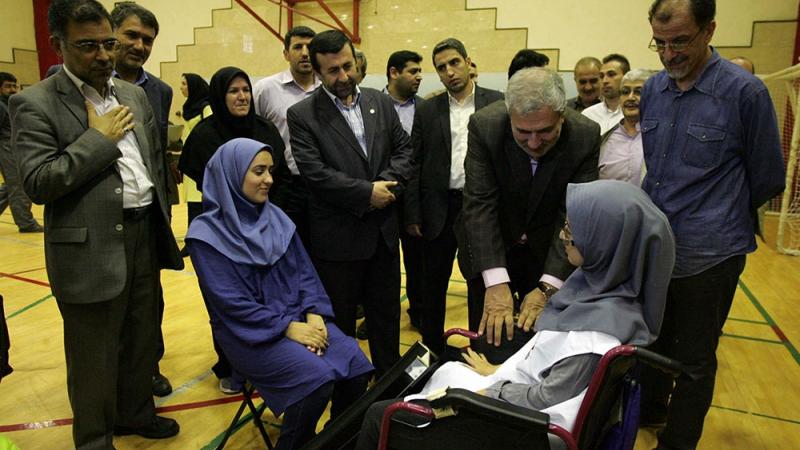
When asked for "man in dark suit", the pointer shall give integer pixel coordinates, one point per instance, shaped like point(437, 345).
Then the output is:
point(521, 156)
point(435, 193)
point(403, 77)
point(88, 149)
point(136, 29)
point(352, 151)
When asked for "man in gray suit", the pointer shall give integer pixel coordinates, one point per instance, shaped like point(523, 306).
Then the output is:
point(11, 193)
point(435, 192)
point(353, 153)
point(88, 149)
point(522, 154)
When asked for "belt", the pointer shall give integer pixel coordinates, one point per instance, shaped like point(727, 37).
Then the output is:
point(134, 214)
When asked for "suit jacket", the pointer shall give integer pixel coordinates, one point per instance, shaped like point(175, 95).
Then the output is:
point(71, 169)
point(342, 225)
point(503, 201)
point(159, 94)
point(427, 196)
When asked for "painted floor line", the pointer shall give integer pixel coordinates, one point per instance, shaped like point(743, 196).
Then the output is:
point(756, 322)
point(25, 279)
point(30, 306)
point(765, 416)
point(751, 338)
point(183, 388)
point(775, 328)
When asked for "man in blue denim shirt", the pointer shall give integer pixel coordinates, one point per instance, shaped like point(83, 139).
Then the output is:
point(712, 150)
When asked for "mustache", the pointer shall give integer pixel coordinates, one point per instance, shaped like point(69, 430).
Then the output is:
point(631, 104)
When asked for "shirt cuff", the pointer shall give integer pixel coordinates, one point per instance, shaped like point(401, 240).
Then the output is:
point(551, 280)
point(495, 276)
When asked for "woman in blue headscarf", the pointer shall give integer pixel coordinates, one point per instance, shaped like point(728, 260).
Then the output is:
point(269, 311)
point(624, 250)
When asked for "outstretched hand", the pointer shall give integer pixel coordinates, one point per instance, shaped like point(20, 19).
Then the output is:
point(498, 311)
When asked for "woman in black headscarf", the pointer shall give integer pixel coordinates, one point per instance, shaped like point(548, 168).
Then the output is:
point(234, 116)
point(195, 109)
point(195, 89)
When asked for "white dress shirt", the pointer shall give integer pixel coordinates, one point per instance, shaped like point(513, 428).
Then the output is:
point(459, 118)
point(605, 117)
point(137, 188)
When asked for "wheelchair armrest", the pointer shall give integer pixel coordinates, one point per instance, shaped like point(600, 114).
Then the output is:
point(386, 421)
point(493, 409)
point(471, 335)
point(668, 365)
point(564, 435)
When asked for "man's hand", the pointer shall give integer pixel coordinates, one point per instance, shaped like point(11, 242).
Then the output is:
point(113, 124)
point(381, 195)
point(531, 308)
point(479, 363)
point(305, 334)
point(414, 230)
point(498, 310)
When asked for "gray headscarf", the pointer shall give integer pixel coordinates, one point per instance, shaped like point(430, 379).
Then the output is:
point(628, 252)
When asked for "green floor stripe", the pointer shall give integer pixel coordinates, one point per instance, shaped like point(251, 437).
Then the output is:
point(32, 305)
point(750, 338)
point(795, 354)
point(765, 416)
point(757, 322)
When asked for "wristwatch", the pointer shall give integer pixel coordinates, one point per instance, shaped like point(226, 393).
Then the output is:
point(547, 290)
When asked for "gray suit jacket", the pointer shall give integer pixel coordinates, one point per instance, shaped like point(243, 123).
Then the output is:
point(503, 201)
point(427, 196)
point(342, 226)
point(71, 169)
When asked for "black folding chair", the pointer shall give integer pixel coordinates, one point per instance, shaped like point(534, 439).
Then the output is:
point(248, 393)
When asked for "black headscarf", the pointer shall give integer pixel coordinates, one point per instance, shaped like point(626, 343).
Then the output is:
point(198, 95)
point(230, 125)
point(222, 126)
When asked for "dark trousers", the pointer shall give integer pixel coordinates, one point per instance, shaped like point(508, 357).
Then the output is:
point(696, 310)
point(294, 203)
point(12, 193)
point(412, 261)
point(375, 283)
point(300, 418)
point(524, 275)
point(110, 348)
point(438, 255)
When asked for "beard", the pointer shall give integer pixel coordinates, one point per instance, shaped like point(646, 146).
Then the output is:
point(344, 89)
point(680, 72)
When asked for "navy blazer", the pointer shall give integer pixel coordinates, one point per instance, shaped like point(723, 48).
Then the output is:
point(342, 225)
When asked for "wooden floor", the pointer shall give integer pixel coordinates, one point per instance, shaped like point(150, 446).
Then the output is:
point(756, 403)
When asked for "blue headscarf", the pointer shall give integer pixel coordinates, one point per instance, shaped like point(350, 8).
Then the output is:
point(628, 251)
point(245, 232)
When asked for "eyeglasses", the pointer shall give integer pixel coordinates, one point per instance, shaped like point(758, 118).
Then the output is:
point(677, 45)
point(92, 47)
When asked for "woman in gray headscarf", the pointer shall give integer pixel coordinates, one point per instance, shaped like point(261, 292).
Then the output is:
point(624, 249)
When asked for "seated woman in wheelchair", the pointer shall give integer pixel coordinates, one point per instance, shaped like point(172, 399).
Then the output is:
point(268, 308)
point(624, 250)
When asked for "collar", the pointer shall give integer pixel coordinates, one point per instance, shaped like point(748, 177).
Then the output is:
point(612, 111)
point(705, 82)
point(469, 98)
point(83, 86)
point(411, 99)
point(336, 101)
point(286, 77)
point(140, 80)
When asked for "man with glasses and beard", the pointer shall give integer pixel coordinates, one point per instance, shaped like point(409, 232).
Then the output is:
point(87, 148)
point(354, 155)
point(713, 156)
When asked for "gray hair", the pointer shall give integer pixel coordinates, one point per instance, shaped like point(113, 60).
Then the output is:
point(532, 89)
point(637, 75)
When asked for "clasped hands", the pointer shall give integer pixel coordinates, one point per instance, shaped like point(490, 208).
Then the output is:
point(312, 333)
point(382, 195)
point(498, 312)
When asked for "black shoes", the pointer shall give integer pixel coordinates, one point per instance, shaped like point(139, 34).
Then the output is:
point(159, 428)
point(35, 228)
point(161, 386)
